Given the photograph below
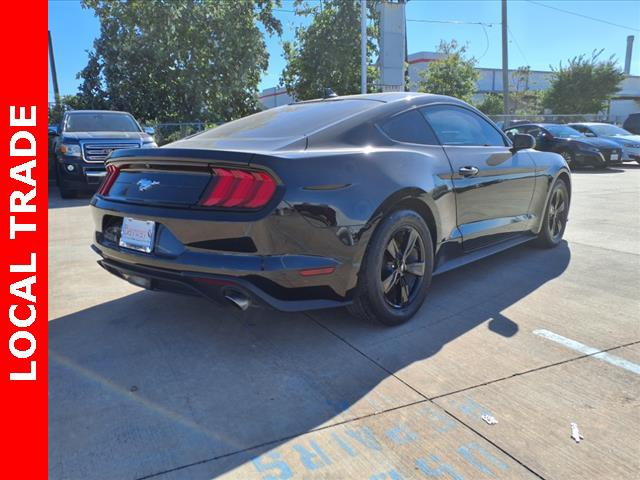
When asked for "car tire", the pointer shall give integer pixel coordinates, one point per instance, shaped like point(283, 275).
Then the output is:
point(393, 278)
point(554, 220)
point(569, 157)
point(67, 193)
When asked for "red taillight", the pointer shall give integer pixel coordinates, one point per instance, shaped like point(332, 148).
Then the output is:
point(239, 188)
point(109, 179)
point(312, 272)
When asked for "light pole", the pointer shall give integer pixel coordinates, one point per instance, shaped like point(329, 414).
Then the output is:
point(363, 46)
point(505, 62)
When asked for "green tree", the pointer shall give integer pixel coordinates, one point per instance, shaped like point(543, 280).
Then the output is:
point(452, 74)
point(523, 100)
point(67, 102)
point(584, 85)
point(178, 60)
point(491, 104)
point(326, 53)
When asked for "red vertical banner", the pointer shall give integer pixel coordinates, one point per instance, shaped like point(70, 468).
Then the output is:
point(23, 234)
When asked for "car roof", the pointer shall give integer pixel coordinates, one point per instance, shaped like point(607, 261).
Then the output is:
point(388, 97)
point(589, 123)
point(536, 124)
point(71, 112)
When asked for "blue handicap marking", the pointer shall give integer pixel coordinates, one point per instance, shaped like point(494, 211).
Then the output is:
point(401, 435)
point(471, 408)
point(439, 470)
point(365, 436)
point(344, 445)
point(272, 461)
point(443, 422)
point(390, 475)
point(314, 458)
point(467, 452)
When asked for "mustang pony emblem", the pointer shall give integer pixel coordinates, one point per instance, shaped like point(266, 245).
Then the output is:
point(145, 184)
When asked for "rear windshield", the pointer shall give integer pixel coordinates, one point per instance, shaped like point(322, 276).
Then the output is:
point(609, 130)
point(100, 122)
point(290, 120)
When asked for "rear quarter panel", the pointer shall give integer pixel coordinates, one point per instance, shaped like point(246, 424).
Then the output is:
point(352, 188)
point(549, 166)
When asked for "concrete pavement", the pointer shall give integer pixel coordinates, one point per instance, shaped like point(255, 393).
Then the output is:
point(153, 385)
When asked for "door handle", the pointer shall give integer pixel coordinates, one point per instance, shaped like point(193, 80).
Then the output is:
point(468, 171)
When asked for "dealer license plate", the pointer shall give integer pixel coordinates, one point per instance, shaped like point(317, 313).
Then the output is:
point(614, 156)
point(137, 234)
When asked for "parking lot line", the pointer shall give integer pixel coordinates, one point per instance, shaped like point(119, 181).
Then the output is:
point(587, 350)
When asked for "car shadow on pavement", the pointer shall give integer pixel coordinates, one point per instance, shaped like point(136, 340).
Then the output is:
point(56, 201)
point(156, 383)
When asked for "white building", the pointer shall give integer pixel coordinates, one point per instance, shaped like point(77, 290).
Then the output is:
point(626, 101)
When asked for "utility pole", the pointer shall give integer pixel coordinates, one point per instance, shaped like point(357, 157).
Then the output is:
point(363, 46)
point(505, 62)
point(54, 75)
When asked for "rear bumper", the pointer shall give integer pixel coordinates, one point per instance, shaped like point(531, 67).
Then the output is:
point(267, 257)
point(213, 287)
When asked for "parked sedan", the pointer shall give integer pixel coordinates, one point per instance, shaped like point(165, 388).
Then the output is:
point(629, 142)
point(350, 201)
point(576, 148)
point(632, 123)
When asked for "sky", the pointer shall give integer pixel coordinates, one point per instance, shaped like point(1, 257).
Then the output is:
point(539, 36)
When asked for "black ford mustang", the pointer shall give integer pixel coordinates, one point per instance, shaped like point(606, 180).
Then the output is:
point(353, 201)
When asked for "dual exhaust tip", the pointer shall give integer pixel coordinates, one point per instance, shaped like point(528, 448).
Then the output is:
point(238, 299)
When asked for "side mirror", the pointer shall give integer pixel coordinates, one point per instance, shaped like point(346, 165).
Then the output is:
point(150, 130)
point(53, 131)
point(522, 141)
point(589, 134)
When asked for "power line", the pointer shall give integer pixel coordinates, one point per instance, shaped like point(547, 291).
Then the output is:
point(460, 22)
point(517, 45)
point(456, 22)
point(583, 16)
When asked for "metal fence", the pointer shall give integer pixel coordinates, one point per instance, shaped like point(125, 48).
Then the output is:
point(170, 132)
point(590, 117)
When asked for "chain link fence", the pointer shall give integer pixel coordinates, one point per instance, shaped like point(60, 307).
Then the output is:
point(170, 132)
point(504, 120)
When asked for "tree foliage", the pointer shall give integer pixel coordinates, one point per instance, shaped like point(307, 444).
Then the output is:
point(523, 100)
point(491, 104)
point(452, 74)
point(584, 85)
point(178, 60)
point(67, 102)
point(326, 53)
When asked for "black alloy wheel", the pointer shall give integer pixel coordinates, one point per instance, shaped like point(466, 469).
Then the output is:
point(556, 217)
point(556, 214)
point(395, 273)
point(403, 267)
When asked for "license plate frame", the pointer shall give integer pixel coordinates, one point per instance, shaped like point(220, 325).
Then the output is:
point(614, 157)
point(137, 235)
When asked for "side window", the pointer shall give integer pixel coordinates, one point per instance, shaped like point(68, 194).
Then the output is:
point(536, 132)
point(513, 131)
point(409, 127)
point(458, 126)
